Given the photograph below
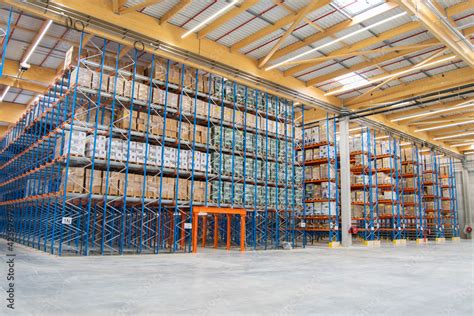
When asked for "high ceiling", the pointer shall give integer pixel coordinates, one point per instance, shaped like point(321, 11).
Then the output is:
point(354, 53)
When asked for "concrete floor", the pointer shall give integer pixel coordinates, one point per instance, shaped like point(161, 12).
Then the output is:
point(433, 279)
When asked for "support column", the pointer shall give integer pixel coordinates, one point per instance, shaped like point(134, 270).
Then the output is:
point(345, 167)
point(467, 212)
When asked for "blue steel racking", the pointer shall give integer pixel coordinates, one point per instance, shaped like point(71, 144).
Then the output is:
point(432, 197)
point(364, 160)
point(4, 36)
point(412, 172)
point(454, 229)
point(58, 211)
point(321, 226)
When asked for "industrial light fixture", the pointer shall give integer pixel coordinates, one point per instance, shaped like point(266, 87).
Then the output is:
point(468, 153)
point(459, 106)
point(7, 88)
point(366, 83)
point(382, 137)
point(454, 136)
point(443, 126)
point(212, 17)
point(24, 62)
point(424, 150)
point(339, 39)
point(462, 144)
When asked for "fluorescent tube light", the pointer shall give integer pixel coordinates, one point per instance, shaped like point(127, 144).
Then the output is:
point(212, 17)
point(443, 126)
point(337, 40)
point(462, 144)
point(366, 83)
point(38, 40)
point(4, 94)
point(434, 112)
point(382, 137)
point(454, 136)
point(424, 150)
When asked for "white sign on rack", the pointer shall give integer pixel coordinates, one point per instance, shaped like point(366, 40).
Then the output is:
point(66, 220)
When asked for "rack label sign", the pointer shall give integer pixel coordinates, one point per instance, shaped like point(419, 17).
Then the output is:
point(66, 220)
point(188, 225)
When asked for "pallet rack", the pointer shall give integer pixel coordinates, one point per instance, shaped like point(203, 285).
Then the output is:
point(141, 201)
point(449, 199)
point(365, 187)
point(412, 179)
point(320, 219)
point(4, 35)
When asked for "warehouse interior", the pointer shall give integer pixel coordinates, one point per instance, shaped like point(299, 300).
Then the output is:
point(257, 141)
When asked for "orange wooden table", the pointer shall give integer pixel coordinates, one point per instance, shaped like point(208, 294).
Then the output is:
point(229, 212)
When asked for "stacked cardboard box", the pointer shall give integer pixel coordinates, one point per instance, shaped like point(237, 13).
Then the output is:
point(97, 181)
point(75, 180)
point(100, 150)
point(78, 143)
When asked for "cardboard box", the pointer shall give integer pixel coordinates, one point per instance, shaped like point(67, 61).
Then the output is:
point(78, 143)
point(97, 181)
point(123, 119)
point(119, 89)
point(158, 96)
point(75, 180)
point(84, 78)
point(187, 104)
point(168, 192)
point(96, 81)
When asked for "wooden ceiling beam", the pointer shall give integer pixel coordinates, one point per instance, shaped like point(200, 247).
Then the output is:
point(364, 52)
point(274, 27)
point(282, 39)
point(37, 74)
point(334, 29)
point(117, 5)
point(438, 29)
point(435, 83)
point(400, 71)
point(10, 112)
point(442, 120)
point(448, 106)
point(450, 130)
point(362, 44)
point(372, 62)
point(22, 84)
point(376, 61)
point(460, 7)
point(139, 6)
point(174, 10)
point(244, 6)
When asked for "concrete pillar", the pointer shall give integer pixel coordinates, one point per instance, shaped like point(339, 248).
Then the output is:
point(345, 167)
point(466, 213)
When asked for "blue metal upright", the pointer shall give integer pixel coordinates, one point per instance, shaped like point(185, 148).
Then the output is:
point(4, 35)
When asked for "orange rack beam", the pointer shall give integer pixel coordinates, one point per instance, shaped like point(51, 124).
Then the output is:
point(205, 210)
